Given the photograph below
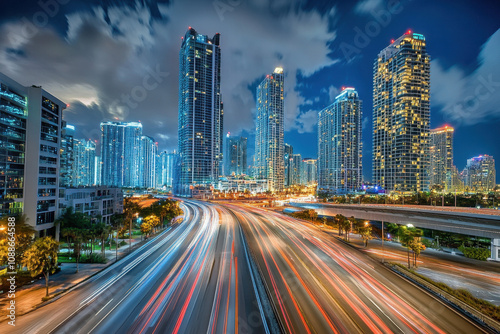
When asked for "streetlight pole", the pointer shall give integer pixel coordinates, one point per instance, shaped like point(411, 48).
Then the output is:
point(455, 197)
point(383, 251)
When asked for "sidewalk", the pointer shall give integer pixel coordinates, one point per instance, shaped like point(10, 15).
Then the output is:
point(30, 296)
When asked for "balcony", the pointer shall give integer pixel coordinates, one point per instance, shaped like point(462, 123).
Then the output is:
point(14, 97)
point(12, 109)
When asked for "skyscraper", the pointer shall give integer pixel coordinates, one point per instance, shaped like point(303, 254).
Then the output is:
point(112, 150)
point(67, 162)
point(340, 145)
point(132, 155)
point(310, 167)
point(235, 155)
point(296, 170)
point(165, 169)
point(441, 157)
point(120, 153)
point(401, 115)
point(84, 162)
point(288, 151)
point(200, 111)
point(147, 164)
point(269, 137)
point(480, 174)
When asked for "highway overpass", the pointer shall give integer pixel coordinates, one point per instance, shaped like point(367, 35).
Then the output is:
point(463, 221)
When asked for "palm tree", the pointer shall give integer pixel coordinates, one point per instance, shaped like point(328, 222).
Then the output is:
point(130, 209)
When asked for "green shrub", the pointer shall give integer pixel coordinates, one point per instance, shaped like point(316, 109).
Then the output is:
point(92, 258)
point(475, 253)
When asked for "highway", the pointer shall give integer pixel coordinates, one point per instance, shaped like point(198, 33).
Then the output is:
point(193, 278)
point(320, 285)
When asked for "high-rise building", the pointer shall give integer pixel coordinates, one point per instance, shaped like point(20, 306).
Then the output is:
point(120, 154)
point(480, 174)
point(401, 115)
point(132, 155)
point(84, 162)
point(296, 170)
point(441, 158)
point(112, 151)
point(310, 167)
point(14, 113)
point(97, 169)
point(269, 137)
point(235, 155)
point(147, 165)
point(165, 169)
point(200, 112)
point(67, 155)
point(340, 145)
point(30, 143)
point(288, 152)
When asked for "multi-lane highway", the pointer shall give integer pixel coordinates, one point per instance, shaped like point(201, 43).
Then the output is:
point(320, 285)
point(193, 278)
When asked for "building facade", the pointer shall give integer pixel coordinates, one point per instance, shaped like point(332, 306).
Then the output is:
point(84, 162)
point(401, 115)
point(200, 112)
point(93, 201)
point(340, 168)
point(288, 152)
point(235, 155)
point(269, 137)
point(147, 165)
point(480, 174)
point(310, 167)
point(441, 158)
point(30, 161)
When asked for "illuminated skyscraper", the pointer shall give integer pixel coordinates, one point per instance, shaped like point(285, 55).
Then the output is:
point(120, 153)
point(480, 174)
point(288, 152)
point(235, 155)
point(165, 169)
point(200, 112)
point(147, 162)
point(84, 162)
point(269, 137)
point(339, 144)
point(441, 153)
point(401, 115)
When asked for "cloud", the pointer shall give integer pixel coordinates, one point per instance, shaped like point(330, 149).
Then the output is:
point(99, 65)
point(367, 6)
point(469, 98)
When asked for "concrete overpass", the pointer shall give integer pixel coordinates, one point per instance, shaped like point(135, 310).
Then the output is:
point(461, 220)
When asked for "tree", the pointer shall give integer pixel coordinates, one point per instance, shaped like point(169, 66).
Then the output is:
point(130, 209)
point(41, 258)
point(24, 234)
point(152, 220)
point(339, 222)
point(366, 233)
point(76, 227)
point(146, 228)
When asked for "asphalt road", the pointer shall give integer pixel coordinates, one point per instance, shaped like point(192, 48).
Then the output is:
point(320, 285)
point(193, 278)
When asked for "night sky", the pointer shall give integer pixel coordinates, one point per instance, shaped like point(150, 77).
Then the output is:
point(95, 55)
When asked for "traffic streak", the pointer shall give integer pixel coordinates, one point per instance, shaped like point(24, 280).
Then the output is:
point(320, 285)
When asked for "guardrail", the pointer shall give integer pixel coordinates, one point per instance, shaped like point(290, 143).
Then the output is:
point(469, 310)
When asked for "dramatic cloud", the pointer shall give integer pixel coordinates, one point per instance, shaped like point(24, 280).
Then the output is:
point(368, 6)
point(121, 62)
point(469, 98)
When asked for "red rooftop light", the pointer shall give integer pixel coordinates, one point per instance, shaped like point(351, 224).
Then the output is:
point(392, 40)
point(409, 32)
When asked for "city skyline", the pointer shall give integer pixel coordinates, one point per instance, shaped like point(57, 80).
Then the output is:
point(313, 80)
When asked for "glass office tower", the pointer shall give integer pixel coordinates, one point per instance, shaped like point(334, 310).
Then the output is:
point(200, 112)
point(269, 137)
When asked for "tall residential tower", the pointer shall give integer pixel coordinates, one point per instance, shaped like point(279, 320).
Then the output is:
point(401, 115)
point(339, 144)
point(269, 137)
point(200, 112)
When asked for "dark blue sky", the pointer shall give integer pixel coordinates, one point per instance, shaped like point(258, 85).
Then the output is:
point(90, 53)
